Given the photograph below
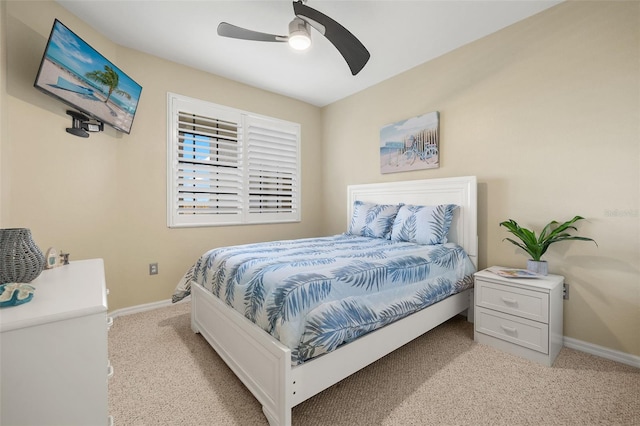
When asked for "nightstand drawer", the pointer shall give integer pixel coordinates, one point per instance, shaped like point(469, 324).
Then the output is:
point(523, 332)
point(513, 300)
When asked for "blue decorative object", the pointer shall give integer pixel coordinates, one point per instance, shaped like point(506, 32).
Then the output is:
point(13, 294)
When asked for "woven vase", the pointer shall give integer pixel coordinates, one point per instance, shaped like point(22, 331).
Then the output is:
point(21, 261)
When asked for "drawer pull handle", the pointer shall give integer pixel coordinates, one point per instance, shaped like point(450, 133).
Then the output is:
point(110, 371)
point(109, 322)
point(509, 301)
point(509, 329)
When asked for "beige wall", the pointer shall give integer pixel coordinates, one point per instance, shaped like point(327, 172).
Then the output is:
point(546, 114)
point(105, 196)
point(3, 85)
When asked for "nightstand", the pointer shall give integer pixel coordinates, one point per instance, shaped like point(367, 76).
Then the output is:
point(522, 316)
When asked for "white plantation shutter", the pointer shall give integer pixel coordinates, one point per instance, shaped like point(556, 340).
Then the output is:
point(272, 170)
point(227, 167)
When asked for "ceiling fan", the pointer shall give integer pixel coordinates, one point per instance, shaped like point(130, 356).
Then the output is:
point(299, 36)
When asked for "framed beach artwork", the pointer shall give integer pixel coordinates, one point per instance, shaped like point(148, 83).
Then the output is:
point(411, 144)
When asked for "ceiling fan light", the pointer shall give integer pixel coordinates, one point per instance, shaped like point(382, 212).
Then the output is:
point(299, 41)
point(299, 34)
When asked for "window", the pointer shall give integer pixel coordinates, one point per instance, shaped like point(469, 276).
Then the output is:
point(230, 167)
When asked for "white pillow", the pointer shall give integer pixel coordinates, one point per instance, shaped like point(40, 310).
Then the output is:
point(423, 224)
point(372, 220)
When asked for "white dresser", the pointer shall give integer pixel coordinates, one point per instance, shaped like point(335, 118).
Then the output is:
point(53, 350)
point(522, 316)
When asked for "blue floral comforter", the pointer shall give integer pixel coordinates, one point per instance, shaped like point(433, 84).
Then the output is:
point(315, 294)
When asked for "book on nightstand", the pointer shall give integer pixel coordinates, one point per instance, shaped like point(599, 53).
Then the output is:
point(514, 273)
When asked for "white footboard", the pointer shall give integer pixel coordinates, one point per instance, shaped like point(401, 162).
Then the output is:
point(264, 364)
point(261, 362)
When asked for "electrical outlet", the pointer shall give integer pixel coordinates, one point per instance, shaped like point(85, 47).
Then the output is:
point(153, 269)
point(565, 291)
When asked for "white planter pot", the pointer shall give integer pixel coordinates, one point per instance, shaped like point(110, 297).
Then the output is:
point(539, 267)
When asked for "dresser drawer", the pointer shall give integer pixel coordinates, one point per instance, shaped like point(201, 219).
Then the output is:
point(524, 303)
point(523, 332)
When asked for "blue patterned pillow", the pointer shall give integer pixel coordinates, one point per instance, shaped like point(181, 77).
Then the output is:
point(423, 224)
point(372, 220)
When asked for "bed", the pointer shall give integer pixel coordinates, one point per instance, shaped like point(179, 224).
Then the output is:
point(250, 340)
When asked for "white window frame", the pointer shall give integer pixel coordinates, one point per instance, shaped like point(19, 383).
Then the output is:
point(265, 143)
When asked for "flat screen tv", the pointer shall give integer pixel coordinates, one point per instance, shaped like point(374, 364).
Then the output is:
point(77, 74)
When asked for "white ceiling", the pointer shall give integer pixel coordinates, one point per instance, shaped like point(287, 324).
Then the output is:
point(398, 34)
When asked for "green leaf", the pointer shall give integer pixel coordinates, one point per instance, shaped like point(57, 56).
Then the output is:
point(553, 232)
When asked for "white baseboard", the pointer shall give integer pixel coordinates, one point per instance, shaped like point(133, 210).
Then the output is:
point(602, 352)
point(142, 308)
point(569, 342)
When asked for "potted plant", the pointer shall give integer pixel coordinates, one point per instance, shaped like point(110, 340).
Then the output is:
point(536, 246)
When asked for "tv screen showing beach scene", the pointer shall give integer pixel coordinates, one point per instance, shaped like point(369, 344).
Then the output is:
point(78, 75)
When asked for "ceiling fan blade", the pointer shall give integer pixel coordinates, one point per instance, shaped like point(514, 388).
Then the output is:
point(347, 44)
point(228, 30)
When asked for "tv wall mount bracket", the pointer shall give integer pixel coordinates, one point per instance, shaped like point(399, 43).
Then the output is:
point(81, 125)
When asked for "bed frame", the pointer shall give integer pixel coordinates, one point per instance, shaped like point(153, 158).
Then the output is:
point(264, 364)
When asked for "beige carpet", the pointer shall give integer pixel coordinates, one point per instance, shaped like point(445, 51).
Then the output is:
point(167, 375)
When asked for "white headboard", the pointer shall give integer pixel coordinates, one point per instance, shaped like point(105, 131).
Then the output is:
point(461, 191)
